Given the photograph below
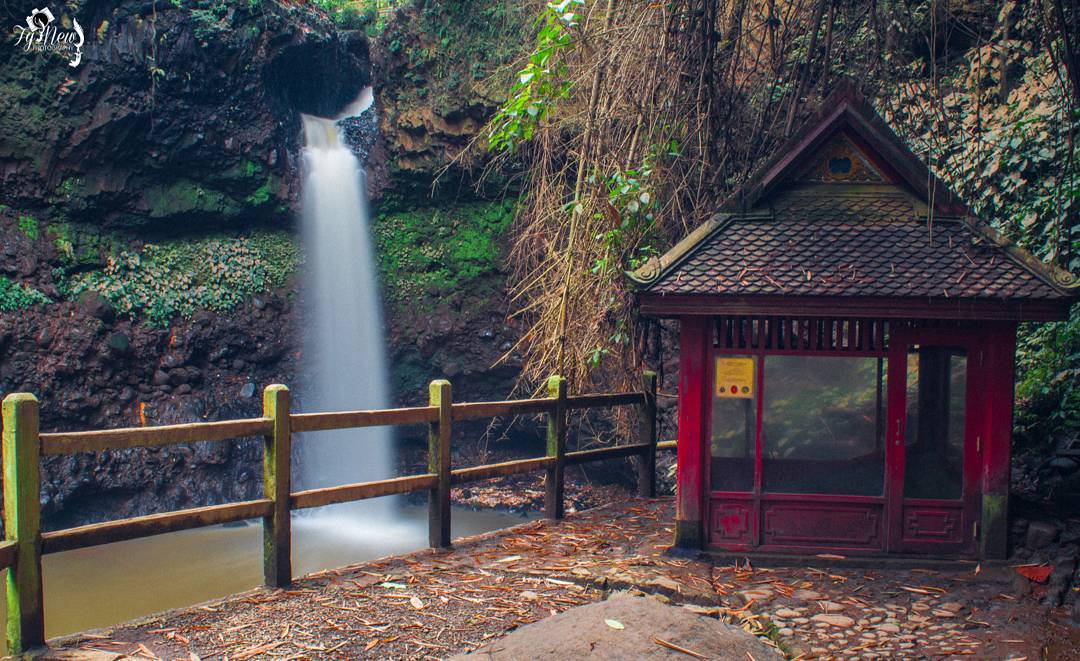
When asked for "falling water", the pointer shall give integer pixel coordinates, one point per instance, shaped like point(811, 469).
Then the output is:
point(344, 347)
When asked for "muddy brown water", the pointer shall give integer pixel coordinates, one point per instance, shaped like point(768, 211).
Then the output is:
point(106, 585)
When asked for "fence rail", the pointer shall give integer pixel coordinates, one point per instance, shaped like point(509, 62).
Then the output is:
point(134, 437)
point(24, 445)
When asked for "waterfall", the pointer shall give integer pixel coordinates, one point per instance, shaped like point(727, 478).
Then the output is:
point(344, 349)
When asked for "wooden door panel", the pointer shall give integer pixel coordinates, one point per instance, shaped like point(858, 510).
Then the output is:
point(822, 524)
point(731, 522)
point(932, 525)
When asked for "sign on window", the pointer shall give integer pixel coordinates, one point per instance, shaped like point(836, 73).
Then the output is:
point(735, 377)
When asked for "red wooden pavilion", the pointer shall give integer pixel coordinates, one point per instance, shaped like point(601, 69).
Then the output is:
point(847, 345)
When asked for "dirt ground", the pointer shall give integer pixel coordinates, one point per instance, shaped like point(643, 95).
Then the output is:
point(435, 604)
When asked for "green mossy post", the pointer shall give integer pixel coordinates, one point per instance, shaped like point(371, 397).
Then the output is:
point(439, 464)
point(647, 434)
point(277, 455)
point(22, 522)
point(554, 508)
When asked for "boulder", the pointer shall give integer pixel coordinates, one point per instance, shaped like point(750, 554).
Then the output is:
point(624, 627)
point(1040, 534)
point(119, 342)
point(1064, 464)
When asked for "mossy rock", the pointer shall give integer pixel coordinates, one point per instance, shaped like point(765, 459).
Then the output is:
point(429, 253)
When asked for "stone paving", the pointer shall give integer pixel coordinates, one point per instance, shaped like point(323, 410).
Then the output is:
point(433, 604)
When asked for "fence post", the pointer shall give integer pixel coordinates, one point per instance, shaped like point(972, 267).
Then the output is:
point(439, 394)
point(22, 522)
point(554, 507)
point(647, 434)
point(277, 466)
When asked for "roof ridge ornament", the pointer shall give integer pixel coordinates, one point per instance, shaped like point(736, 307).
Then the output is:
point(647, 273)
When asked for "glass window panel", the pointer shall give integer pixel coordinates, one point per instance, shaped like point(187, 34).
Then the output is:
point(822, 425)
point(734, 423)
point(936, 409)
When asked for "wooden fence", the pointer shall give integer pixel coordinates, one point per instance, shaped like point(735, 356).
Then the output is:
point(24, 445)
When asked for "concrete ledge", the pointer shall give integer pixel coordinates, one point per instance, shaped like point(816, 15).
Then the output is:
point(891, 561)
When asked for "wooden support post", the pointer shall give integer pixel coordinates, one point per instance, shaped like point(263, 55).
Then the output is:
point(554, 507)
point(277, 466)
point(694, 393)
point(647, 434)
point(997, 360)
point(439, 463)
point(22, 522)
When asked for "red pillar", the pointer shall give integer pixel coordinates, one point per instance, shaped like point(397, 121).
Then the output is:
point(694, 341)
point(999, 359)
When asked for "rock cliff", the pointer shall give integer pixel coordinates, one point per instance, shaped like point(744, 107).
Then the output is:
point(175, 142)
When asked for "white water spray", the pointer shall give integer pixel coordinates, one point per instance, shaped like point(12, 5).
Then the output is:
point(344, 347)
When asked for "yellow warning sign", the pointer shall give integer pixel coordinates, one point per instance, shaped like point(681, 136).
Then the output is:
point(735, 377)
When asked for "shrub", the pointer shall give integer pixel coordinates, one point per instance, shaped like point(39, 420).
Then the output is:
point(177, 278)
point(28, 225)
point(15, 296)
point(350, 14)
point(1048, 384)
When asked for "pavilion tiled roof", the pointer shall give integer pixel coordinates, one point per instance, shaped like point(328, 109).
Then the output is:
point(851, 245)
point(846, 210)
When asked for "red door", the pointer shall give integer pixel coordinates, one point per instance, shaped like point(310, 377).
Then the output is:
point(932, 458)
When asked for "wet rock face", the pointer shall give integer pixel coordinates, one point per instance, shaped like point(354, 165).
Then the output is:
point(93, 368)
point(92, 373)
point(361, 133)
point(177, 116)
point(184, 118)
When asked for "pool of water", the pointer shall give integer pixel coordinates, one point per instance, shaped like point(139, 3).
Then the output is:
point(105, 585)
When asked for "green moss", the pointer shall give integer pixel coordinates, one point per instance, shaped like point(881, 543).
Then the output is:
point(186, 196)
point(439, 250)
point(32, 112)
point(15, 296)
point(28, 225)
point(261, 194)
point(81, 246)
point(67, 187)
point(177, 278)
point(993, 541)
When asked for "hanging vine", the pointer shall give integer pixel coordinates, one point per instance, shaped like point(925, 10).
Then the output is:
point(629, 122)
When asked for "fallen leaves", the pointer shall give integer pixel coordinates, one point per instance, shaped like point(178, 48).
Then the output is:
point(677, 648)
point(258, 649)
point(436, 604)
point(1035, 573)
point(908, 588)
